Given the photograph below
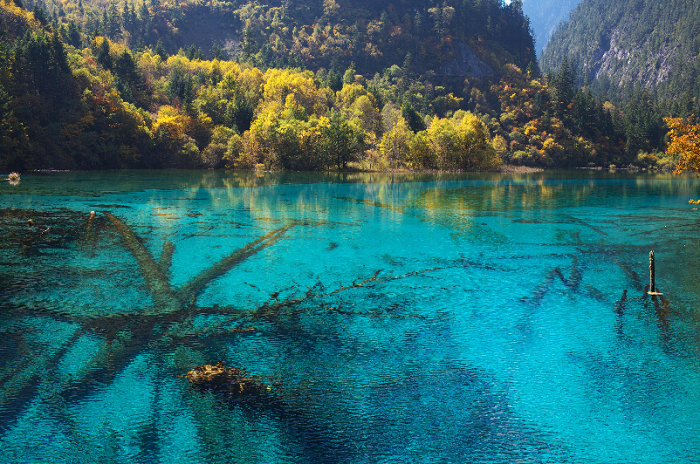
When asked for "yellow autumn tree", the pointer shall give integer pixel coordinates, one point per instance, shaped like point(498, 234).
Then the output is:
point(445, 143)
point(421, 154)
point(348, 94)
point(173, 145)
point(394, 144)
point(462, 142)
point(685, 142)
point(301, 85)
point(360, 107)
point(477, 150)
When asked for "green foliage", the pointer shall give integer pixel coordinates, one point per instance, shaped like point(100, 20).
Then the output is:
point(413, 119)
point(130, 83)
point(340, 142)
point(72, 36)
point(40, 13)
point(103, 55)
point(160, 50)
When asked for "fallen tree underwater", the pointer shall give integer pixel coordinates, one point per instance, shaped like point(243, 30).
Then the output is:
point(574, 284)
point(170, 306)
point(170, 322)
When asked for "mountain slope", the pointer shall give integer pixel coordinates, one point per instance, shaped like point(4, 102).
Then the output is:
point(628, 44)
point(545, 16)
point(373, 35)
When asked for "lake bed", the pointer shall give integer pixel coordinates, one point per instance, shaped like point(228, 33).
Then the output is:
point(396, 317)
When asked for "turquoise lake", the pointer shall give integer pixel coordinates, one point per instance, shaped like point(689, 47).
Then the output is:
point(476, 318)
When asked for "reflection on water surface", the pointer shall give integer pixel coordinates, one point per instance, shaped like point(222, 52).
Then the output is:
point(394, 318)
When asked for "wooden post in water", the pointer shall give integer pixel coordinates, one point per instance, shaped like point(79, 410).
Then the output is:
point(652, 275)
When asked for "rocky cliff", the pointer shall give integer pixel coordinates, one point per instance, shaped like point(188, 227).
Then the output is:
point(620, 46)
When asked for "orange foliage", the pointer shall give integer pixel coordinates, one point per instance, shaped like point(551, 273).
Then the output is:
point(685, 141)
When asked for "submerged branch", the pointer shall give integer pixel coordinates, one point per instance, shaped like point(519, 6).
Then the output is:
point(274, 306)
point(543, 289)
point(166, 257)
point(192, 288)
point(583, 223)
point(35, 366)
point(90, 234)
point(156, 281)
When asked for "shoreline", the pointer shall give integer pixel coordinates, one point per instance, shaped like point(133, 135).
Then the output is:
point(513, 169)
point(504, 169)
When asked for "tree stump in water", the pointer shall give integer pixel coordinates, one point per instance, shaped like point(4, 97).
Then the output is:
point(652, 275)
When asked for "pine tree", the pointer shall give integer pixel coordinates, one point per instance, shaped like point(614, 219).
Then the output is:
point(128, 16)
point(40, 13)
point(144, 14)
point(160, 50)
point(113, 21)
point(73, 34)
point(5, 113)
point(563, 84)
point(408, 64)
point(349, 75)
point(103, 56)
point(216, 52)
point(248, 47)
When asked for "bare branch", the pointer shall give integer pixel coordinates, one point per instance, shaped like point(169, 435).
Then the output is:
point(156, 281)
point(194, 286)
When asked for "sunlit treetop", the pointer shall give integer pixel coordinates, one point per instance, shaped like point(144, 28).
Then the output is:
point(685, 142)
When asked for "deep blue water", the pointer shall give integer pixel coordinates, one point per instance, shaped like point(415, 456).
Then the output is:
point(396, 318)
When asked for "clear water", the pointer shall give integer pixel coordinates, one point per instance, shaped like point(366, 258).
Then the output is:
point(399, 318)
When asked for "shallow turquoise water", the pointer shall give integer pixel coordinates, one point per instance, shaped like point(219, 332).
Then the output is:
point(397, 318)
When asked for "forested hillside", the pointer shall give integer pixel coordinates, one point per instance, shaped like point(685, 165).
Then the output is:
point(629, 45)
point(331, 34)
point(297, 85)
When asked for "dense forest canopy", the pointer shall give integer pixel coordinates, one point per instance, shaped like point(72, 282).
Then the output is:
point(298, 85)
point(311, 33)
